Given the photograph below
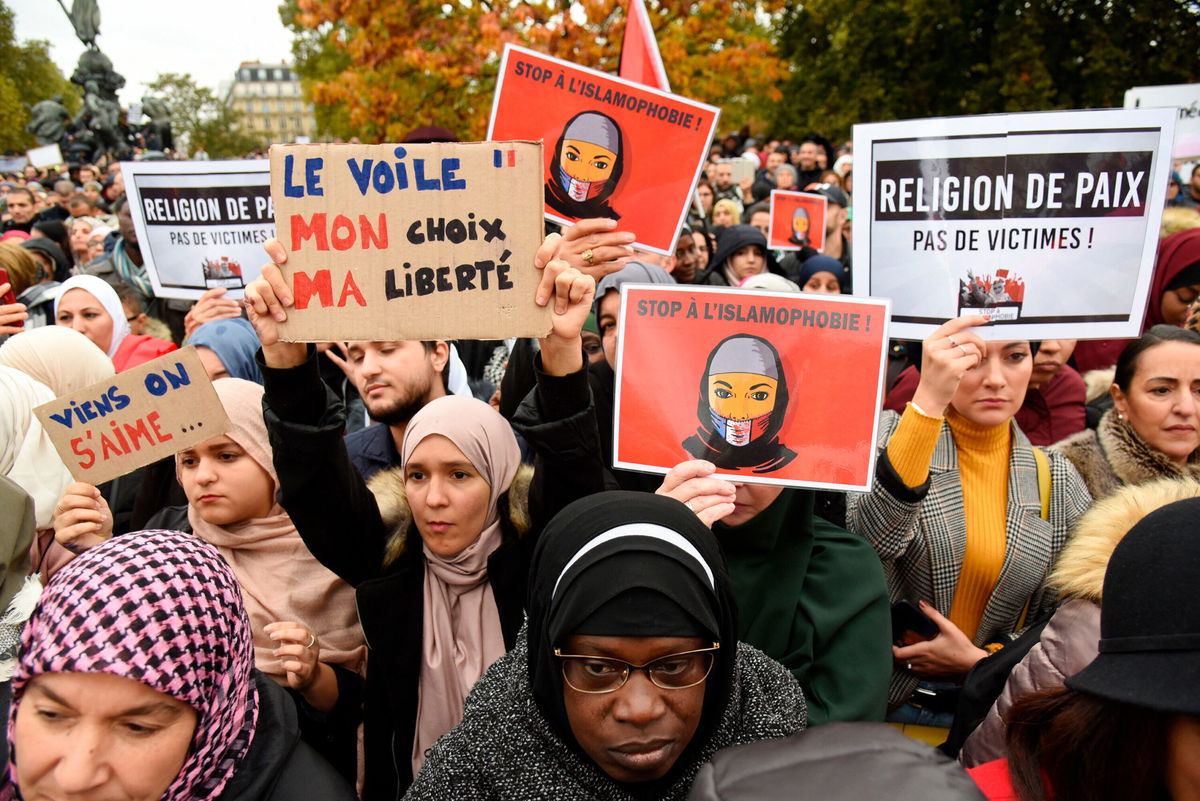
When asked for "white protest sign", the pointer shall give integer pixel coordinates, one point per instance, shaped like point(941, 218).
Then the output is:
point(45, 156)
point(135, 418)
point(200, 224)
point(1047, 222)
point(1184, 97)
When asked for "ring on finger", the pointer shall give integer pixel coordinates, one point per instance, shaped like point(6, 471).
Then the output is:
point(960, 347)
point(312, 640)
point(908, 666)
point(587, 256)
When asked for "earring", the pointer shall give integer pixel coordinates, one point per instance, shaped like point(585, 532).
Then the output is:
point(1120, 416)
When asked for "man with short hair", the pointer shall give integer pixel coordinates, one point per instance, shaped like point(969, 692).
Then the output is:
point(22, 210)
point(723, 185)
point(806, 162)
point(80, 205)
point(56, 202)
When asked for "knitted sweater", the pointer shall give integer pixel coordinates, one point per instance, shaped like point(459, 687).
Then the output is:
point(505, 749)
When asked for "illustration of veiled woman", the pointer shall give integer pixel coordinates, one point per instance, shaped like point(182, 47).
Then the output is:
point(588, 162)
point(743, 401)
point(800, 224)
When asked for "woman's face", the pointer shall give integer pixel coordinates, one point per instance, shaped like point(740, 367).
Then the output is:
point(637, 732)
point(223, 483)
point(824, 282)
point(94, 735)
point(448, 496)
point(747, 261)
point(1172, 189)
point(1163, 401)
point(705, 193)
point(785, 179)
point(701, 251)
point(212, 363)
point(1183, 768)
point(990, 393)
point(606, 321)
point(1175, 303)
point(80, 231)
point(750, 501)
point(79, 309)
point(722, 216)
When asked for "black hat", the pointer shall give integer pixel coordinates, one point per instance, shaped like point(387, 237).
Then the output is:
point(736, 237)
point(834, 194)
point(53, 251)
point(1149, 618)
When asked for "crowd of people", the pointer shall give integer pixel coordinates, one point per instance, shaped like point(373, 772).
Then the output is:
point(410, 569)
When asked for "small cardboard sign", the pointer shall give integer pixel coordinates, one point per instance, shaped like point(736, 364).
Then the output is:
point(45, 156)
point(133, 419)
point(614, 148)
point(742, 169)
point(797, 220)
point(772, 387)
point(1046, 222)
point(424, 241)
point(200, 224)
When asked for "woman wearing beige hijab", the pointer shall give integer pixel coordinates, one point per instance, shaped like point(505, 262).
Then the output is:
point(61, 358)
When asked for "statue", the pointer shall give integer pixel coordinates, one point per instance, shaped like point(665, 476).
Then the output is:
point(157, 132)
point(85, 17)
point(101, 112)
point(49, 121)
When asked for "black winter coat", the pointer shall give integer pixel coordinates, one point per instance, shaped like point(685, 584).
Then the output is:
point(340, 521)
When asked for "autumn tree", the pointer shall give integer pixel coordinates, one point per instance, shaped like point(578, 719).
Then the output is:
point(855, 61)
point(377, 69)
point(199, 120)
point(29, 77)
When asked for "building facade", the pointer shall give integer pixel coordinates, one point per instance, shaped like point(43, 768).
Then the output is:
point(272, 105)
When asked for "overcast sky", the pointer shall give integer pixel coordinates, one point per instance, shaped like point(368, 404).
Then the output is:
point(207, 38)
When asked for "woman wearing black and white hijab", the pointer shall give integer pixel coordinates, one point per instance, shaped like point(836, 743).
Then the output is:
point(628, 675)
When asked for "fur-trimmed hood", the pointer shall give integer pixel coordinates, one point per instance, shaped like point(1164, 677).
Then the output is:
point(1081, 565)
point(388, 488)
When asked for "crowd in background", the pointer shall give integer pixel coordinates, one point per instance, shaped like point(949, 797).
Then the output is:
point(411, 569)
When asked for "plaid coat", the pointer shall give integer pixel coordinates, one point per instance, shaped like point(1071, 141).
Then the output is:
point(920, 534)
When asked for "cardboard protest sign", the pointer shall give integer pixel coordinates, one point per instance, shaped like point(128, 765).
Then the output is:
point(1046, 222)
point(426, 241)
point(45, 156)
point(772, 387)
point(1186, 99)
point(797, 220)
point(613, 148)
point(742, 169)
point(200, 224)
point(135, 418)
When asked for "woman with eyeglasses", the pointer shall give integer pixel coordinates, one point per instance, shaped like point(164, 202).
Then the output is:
point(628, 675)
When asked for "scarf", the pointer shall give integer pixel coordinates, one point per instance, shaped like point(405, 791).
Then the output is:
point(27, 456)
point(107, 297)
point(131, 273)
point(461, 624)
point(59, 357)
point(279, 577)
point(234, 342)
point(162, 608)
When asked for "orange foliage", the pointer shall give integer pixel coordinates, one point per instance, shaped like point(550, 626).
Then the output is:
point(434, 62)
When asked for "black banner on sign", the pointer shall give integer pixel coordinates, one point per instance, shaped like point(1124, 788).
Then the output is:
point(216, 205)
point(1024, 185)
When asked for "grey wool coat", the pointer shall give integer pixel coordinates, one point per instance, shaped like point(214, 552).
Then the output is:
point(920, 535)
point(505, 750)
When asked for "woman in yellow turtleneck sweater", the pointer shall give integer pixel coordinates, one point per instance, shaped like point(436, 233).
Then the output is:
point(955, 513)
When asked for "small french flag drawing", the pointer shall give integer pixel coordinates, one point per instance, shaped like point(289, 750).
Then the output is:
point(504, 158)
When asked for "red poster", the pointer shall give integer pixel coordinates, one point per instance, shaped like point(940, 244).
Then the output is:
point(772, 387)
point(797, 219)
point(613, 148)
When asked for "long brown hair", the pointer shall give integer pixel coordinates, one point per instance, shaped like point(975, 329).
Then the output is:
point(1067, 745)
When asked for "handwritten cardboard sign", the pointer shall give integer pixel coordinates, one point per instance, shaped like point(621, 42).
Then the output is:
point(797, 220)
point(772, 387)
point(425, 241)
point(135, 418)
point(200, 224)
point(1046, 222)
point(614, 148)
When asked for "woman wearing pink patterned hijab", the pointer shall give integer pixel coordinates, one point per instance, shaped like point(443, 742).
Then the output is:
point(136, 680)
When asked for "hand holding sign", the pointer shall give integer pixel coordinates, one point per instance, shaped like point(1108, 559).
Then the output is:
point(692, 483)
point(212, 305)
point(267, 300)
point(562, 349)
point(589, 245)
point(946, 356)
point(82, 518)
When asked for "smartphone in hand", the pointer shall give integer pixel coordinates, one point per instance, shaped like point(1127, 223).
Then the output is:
point(910, 625)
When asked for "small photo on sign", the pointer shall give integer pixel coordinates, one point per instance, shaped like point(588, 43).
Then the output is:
point(797, 220)
point(999, 297)
point(771, 387)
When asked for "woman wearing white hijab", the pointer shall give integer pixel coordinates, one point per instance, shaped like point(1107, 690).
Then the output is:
point(91, 306)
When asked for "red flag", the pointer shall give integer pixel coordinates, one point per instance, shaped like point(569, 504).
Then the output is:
point(640, 60)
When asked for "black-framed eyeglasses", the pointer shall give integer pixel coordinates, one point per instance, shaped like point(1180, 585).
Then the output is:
point(604, 674)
